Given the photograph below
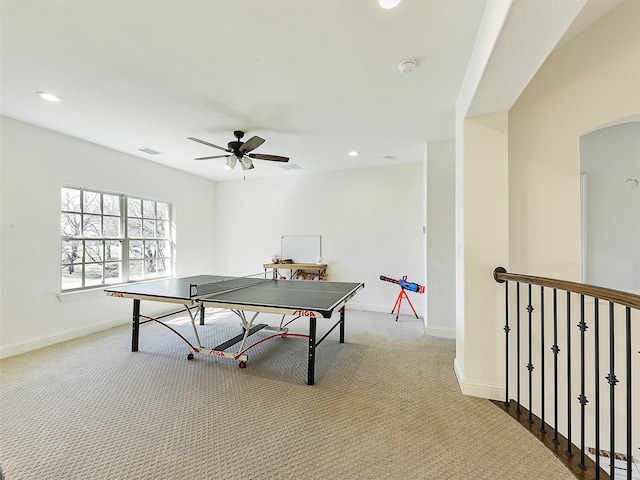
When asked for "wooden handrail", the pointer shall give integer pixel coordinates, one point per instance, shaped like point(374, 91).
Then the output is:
point(626, 299)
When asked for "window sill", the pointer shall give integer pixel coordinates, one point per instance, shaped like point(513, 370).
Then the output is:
point(64, 297)
point(88, 293)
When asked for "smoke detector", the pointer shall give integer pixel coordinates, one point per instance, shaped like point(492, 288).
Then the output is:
point(407, 66)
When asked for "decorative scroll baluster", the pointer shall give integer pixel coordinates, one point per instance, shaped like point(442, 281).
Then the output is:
point(611, 378)
point(556, 350)
point(582, 326)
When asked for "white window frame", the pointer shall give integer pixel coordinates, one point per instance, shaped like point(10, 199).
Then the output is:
point(155, 235)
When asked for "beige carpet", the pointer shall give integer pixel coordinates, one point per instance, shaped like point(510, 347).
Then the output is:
point(386, 405)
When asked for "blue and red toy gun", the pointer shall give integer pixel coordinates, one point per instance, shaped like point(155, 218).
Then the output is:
point(412, 287)
point(404, 285)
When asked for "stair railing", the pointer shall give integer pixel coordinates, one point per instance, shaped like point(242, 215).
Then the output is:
point(565, 366)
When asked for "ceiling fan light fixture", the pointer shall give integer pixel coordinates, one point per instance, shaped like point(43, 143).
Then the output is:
point(389, 4)
point(246, 163)
point(231, 162)
point(238, 151)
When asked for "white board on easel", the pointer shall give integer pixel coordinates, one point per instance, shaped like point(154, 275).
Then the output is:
point(300, 248)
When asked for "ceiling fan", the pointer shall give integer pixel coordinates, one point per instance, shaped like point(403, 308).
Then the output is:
point(239, 151)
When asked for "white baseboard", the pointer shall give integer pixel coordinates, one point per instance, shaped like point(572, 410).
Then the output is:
point(47, 340)
point(489, 391)
point(441, 332)
point(367, 307)
point(58, 337)
point(373, 307)
point(458, 371)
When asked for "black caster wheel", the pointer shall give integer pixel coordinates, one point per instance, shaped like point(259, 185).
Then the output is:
point(190, 356)
point(242, 364)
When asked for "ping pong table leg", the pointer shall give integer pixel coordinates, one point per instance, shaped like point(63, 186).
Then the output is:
point(201, 314)
point(312, 351)
point(135, 325)
point(342, 325)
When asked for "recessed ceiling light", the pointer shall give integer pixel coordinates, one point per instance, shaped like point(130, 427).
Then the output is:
point(389, 4)
point(353, 153)
point(49, 97)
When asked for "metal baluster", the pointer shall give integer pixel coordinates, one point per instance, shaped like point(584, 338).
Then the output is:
point(629, 423)
point(596, 333)
point(611, 378)
point(506, 346)
point(582, 326)
point(542, 380)
point(530, 365)
point(518, 347)
point(556, 350)
point(569, 452)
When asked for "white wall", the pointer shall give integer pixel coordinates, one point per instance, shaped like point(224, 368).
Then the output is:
point(589, 82)
point(35, 163)
point(485, 241)
point(441, 249)
point(608, 157)
point(370, 221)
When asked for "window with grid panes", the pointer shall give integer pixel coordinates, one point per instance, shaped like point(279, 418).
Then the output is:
point(110, 238)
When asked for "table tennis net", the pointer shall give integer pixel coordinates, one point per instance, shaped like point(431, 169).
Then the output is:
point(221, 286)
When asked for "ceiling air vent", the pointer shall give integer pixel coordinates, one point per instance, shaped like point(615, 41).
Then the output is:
point(290, 166)
point(149, 151)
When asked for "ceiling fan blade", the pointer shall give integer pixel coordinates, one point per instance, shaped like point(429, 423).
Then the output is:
point(251, 144)
point(272, 158)
point(208, 144)
point(209, 158)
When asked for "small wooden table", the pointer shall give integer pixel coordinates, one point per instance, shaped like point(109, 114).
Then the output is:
point(298, 270)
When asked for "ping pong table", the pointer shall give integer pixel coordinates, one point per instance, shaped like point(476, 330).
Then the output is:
point(289, 298)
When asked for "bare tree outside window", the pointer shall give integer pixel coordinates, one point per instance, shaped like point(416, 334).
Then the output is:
point(148, 228)
point(112, 238)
